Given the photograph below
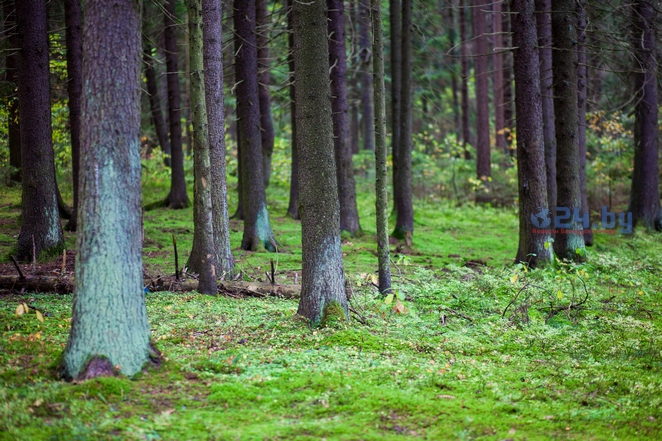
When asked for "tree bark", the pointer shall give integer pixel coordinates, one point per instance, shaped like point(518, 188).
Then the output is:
point(645, 193)
point(109, 329)
point(464, 88)
point(365, 56)
point(160, 125)
point(381, 191)
point(483, 169)
point(203, 255)
point(534, 245)
point(404, 225)
point(544, 22)
point(11, 77)
point(564, 60)
point(212, 11)
point(41, 232)
point(581, 112)
point(293, 207)
point(178, 197)
point(349, 215)
point(395, 27)
point(497, 78)
point(74, 39)
point(264, 78)
point(508, 99)
point(323, 284)
point(451, 29)
point(257, 229)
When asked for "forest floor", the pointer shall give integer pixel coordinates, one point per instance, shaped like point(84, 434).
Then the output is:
point(483, 350)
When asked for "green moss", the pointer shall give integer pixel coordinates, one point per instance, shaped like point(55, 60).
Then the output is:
point(333, 315)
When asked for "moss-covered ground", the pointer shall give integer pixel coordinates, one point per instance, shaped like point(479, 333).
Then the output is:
point(484, 349)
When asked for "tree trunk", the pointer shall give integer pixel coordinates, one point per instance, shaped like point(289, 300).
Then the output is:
point(212, 11)
point(395, 27)
point(239, 213)
point(464, 88)
point(266, 121)
point(365, 55)
point(544, 22)
point(293, 207)
point(74, 22)
point(508, 99)
point(381, 176)
point(497, 77)
point(177, 198)
point(41, 232)
point(203, 255)
point(109, 328)
point(323, 285)
point(483, 169)
point(451, 29)
point(404, 225)
point(11, 77)
point(257, 230)
point(534, 243)
point(581, 113)
point(645, 193)
point(349, 216)
point(155, 100)
point(564, 61)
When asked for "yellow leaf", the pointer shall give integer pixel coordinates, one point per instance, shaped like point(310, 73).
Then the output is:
point(25, 308)
point(399, 307)
point(373, 279)
point(513, 279)
point(389, 299)
point(40, 317)
point(559, 294)
point(19, 310)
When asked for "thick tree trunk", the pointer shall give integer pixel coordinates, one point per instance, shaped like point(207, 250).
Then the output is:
point(395, 27)
point(109, 327)
point(178, 197)
point(11, 77)
point(645, 192)
point(381, 176)
point(293, 207)
point(534, 245)
point(74, 22)
point(212, 11)
point(544, 22)
point(564, 60)
point(497, 78)
point(483, 169)
point(203, 255)
point(264, 78)
point(464, 88)
point(41, 232)
point(404, 225)
point(257, 230)
point(323, 284)
point(349, 215)
point(160, 125)
point(581, 112)
point(365, 57)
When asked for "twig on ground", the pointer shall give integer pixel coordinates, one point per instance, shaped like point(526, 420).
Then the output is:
point(18, 268)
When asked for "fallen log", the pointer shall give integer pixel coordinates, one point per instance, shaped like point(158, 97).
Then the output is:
point(65, 285)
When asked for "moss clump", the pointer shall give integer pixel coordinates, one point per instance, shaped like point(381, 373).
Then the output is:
point(334, 315)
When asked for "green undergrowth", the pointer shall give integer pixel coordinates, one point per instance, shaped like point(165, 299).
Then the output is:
point(470, 346)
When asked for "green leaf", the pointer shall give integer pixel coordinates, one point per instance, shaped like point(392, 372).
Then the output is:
point(389, 299)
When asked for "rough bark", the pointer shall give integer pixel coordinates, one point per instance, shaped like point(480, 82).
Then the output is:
point(534, 245)
point(212, 11)
point(581, 112)
point(109, 322)
point(395, 27)
point(73, 16)
point(11, 78)
point(178, 197)
point(645, 193)
point(203, 255)
point(323, 282)
point(40, 221)
point(544, 22)
point(349, 215)
point(159, 122)
point(483, 169)
point(293, 207)
point(404, 225)
point(381, 205)
point(464, 88)
point(257, 229)
point(365, 57)
point(497, 79)
point(564, 61)
point(264, 78)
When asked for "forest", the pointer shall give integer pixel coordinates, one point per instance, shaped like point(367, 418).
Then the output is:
point(330, 219)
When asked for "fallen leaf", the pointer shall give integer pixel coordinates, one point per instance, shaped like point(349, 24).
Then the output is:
point(446, 397)
point(19, 310)
point(40, 317)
